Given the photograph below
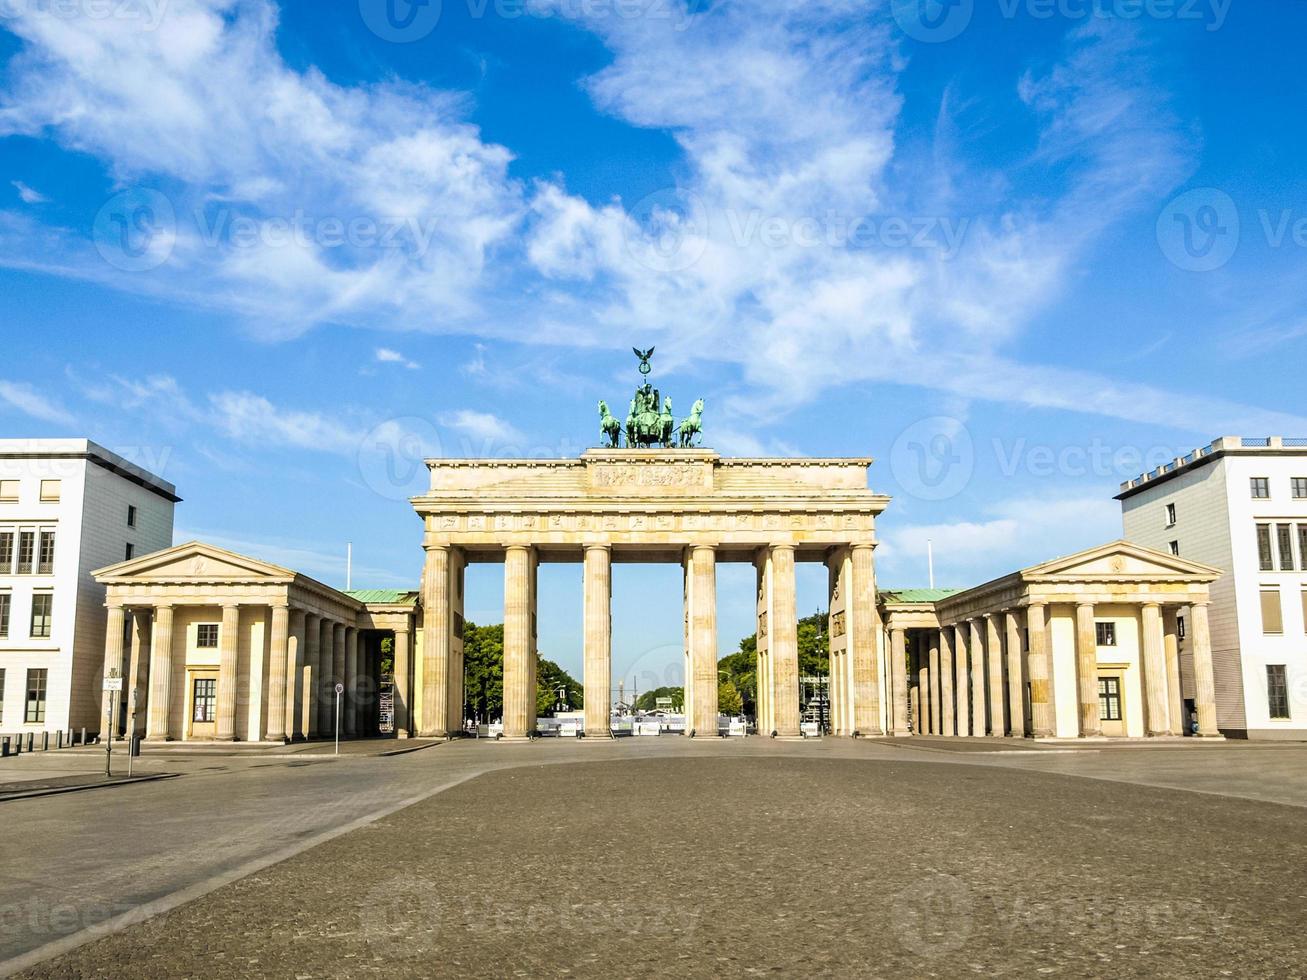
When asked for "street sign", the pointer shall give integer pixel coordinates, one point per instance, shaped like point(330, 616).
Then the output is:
point(340, 688)
point(113, 683)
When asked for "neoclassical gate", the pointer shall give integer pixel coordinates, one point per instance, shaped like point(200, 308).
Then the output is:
point(686, 506)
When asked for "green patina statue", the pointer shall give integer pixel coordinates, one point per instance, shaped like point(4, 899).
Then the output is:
point(650, 422)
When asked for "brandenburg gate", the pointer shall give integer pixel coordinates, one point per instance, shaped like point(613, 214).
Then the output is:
point(654, 504)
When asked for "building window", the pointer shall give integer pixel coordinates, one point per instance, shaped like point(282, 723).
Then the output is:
point(42, 605)
point(206, 636)
point(1170, 515)
point(8, 491)
point(205, 700)
point(1302, 547)
point(1175, 548)
point(1106, 634)
point(1272, 615)
point(130, 552)
point(50, 491)
point(1265, 552)
point(6, 601)
point(1299, 487)
point(1261, 486)
point(1277, 691)
point(131, 515)
point(2, 695)
point(1284, 533)
point(6, 552)
point(26, 546)
point(45, 559)
point(35, 714)
point(1109, 699)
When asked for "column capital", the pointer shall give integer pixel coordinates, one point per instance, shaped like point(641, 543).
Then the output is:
point(597, 546)
point(1152, 604)
point(1081, 604)
point(780, 546)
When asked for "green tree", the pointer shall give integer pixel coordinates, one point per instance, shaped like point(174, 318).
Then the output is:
point(741, 667)
point(549, 678)
point(483, 670)
point(648, 701)
point(729, 701)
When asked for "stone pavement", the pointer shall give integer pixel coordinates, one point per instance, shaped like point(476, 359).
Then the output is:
point(667, 855)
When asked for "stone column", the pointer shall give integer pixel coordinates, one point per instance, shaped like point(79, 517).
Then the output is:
point(519, 682)
point(350, 710)
point(326, 678)
point(865, 640)
point(784, 647)
point(1174, 698)
point(947, 671)
point(159, 719)
point(997, 691)
point(1091, 725)
point(295, 676)
point(898, 672)
point(1204, 674)
point(139, 694)
point(403, 684)
point(114, 631)
point(923, 685)
point(228, 652)
point(936, 698)
point(977, 679)
point(311, 677)
point(278, 658)
point(1153, 658)
point(961, 651)
point(1016, 687)
point(701, 575)
point(598, 602)
point(437, 629)
point(838, 574)
point(1039, 668)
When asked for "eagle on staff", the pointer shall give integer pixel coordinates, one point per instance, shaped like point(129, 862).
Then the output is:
point(650, 422)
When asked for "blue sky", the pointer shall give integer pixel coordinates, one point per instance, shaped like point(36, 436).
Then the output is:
point(1016, 250)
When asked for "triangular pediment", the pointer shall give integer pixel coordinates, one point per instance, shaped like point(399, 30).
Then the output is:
point(194, 561)
point(1120, 560)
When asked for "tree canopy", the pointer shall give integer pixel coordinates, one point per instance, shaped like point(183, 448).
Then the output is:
point(483, 676)
point(740, 668)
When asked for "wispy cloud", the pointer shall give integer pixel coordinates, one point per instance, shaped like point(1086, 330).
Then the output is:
point(386, 355)
point(26, 399)
point(253, 420)
point(482, 426)
point(29, 195)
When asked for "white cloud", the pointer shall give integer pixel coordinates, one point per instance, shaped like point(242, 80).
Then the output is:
point(482, 426)
point(252, 419)
point(29, 195)
point(26, 399)
point(386, 355)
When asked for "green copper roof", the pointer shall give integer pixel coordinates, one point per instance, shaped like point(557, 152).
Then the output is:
point(917, 595)
point(384, 597)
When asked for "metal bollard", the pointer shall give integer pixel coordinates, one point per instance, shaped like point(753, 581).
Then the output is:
point(59, 741)
point(45, 741)
point(31, 741)
point(83, 734)
point(4, 747)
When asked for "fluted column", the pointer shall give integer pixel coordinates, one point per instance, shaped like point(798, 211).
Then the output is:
point(139, 693)
point(228, 651)
point(947, 673)
point(935, 703)
point(519, 673)
point(350, 709)
point(923, 685)
point(1016, 688)
point(961, 651)
point(898, 673)
point(159, 714)
point(278, 658)
point(1157, 714)
point(1204, 674)
point(1174, 696)
point(701, 569)
point(403, 685)
point(977, 642)
point(114, 630)
point(295, 676)
point(865, 641)
point(311, 677)
point(598, 602)
point(326, 678)
point(1039, 668)
point(1091, 725)
point(997, 692)
point(338, 655)
point(437, 630)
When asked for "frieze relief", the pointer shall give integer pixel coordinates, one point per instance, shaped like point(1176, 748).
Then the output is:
point(647, 523)
point(674, 475)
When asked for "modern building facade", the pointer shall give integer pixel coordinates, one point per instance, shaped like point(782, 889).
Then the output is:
point(67, 507)
point(1240, 505)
